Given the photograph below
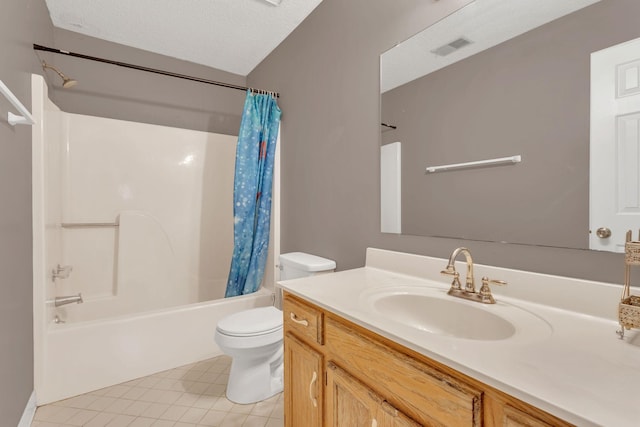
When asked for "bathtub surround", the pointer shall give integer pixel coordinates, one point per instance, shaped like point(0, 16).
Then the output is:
point(252, 189)
point(140, 213)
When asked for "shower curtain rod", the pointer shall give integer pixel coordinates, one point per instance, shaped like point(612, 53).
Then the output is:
point(153, 70)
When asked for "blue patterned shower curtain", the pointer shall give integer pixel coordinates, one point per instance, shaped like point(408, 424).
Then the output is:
point(252, 193)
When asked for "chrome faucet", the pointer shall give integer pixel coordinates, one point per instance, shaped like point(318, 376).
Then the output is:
point(469, 291)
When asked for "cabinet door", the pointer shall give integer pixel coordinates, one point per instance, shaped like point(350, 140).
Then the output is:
point(350, 403)
point(303, 386)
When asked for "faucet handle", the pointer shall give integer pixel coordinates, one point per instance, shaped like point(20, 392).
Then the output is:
point(61, 272)
point(485, 290)
point(455, 284)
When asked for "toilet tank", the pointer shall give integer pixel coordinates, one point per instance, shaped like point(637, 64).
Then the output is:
point(299, 264)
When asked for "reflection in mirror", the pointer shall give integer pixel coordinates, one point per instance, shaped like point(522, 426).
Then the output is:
point(498, 79)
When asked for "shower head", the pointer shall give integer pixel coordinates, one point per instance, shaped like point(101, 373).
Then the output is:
point(66, 81)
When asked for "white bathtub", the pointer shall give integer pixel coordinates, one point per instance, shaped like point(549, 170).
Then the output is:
point(91, 355)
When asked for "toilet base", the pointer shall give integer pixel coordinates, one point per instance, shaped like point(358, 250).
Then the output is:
point(253, 380)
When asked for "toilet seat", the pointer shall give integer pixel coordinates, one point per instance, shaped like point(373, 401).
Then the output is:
point(250, 323)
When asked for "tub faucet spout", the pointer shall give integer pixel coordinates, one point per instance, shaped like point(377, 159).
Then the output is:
point(58, 301)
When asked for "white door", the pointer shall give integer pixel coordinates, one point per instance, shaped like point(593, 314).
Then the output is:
point(615, 146)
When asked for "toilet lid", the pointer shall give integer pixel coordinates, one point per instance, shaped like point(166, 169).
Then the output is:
point(256, 321)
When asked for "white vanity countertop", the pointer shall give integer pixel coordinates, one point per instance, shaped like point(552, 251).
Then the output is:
point(579, 371)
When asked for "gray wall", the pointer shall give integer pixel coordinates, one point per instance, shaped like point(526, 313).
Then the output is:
point(23, 23)
point(526, 96)
point(328, 75)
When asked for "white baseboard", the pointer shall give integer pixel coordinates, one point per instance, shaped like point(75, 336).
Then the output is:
point(29, 411)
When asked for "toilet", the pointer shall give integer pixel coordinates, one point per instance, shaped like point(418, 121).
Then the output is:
point(254, 338)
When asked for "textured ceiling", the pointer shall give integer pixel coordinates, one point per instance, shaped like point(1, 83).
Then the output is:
point(485, 22)
point(230, 35)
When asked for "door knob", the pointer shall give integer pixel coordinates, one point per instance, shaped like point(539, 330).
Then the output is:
point(603, 232)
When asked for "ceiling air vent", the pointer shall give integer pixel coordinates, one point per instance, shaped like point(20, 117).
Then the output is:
point(452, 47)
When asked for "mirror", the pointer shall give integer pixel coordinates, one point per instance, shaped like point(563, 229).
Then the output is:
point(497, 79)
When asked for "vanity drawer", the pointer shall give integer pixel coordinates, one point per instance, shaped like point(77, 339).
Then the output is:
point(303, 320)
point(428, 395)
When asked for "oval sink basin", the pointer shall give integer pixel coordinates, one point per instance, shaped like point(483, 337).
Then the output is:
point(445, 317)
point(433, 311)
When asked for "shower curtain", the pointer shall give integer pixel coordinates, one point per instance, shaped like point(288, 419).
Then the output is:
point(252, 192)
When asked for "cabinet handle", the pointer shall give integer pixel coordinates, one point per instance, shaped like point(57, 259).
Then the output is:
point(374, 423)
point(313, 381)
point(302, 322)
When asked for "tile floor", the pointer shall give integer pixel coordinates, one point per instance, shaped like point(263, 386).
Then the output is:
point(188, 396)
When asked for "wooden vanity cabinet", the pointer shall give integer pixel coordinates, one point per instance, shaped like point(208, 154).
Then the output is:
point(338, 374)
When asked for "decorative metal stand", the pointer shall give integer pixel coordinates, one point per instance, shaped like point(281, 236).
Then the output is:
point(629, 307)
